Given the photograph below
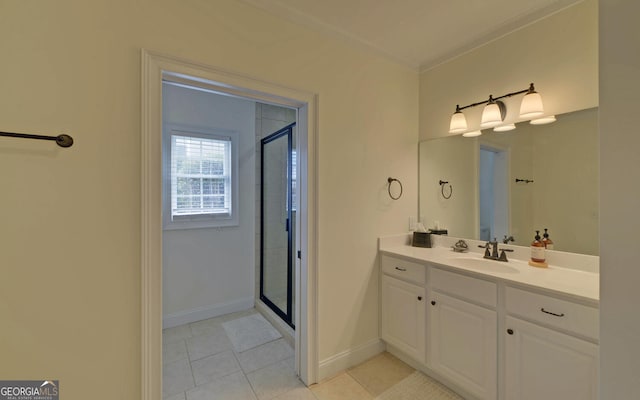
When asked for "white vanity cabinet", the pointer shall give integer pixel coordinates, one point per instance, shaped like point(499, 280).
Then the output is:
point(558, 361)
point(446, 319)
point(403, 310)
point(462, 331)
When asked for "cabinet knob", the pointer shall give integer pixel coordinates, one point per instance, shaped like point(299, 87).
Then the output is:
point(433, 302)
point(419, 297)
point(510, 331)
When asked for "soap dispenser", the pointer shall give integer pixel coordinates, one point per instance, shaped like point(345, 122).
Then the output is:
point(548, 243)
point(537, 252)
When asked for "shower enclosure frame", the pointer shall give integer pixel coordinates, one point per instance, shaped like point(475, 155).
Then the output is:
point(286, 316)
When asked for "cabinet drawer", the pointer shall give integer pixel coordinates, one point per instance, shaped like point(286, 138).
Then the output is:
point(572, 317)
point(465, 287)
point(403, 269)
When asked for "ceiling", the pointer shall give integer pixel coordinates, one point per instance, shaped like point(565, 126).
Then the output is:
point(417, 33)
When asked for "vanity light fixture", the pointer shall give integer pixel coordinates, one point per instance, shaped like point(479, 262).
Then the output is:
point(458, 122)
point(531, 105)
point(495, 111)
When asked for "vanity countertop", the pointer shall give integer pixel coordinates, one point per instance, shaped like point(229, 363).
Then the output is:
point(579, 284)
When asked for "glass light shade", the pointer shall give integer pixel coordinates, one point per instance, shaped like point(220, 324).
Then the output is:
point(504, 128)
point(531, 105)
point(491, 116)
point(472, 134)
point(544, 120)
point(458, 123)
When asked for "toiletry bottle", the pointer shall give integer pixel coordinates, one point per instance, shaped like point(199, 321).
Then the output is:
point(548, 243)
point(537, 249)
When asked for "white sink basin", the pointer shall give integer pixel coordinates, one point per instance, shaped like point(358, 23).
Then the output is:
point(484, 264)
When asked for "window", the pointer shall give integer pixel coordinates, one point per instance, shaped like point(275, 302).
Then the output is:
point(200, 177)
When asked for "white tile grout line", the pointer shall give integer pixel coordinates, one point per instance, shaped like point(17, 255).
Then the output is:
point(193, 378)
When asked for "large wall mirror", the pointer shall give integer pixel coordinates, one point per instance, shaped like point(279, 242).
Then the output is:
point(517, 182)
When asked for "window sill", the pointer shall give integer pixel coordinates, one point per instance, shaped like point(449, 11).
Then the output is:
point(200, 224)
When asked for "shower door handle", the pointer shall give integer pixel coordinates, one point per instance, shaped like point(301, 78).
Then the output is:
point(287, 225)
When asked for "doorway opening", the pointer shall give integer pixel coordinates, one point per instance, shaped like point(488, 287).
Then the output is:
point(157, 68)
point(494, 193)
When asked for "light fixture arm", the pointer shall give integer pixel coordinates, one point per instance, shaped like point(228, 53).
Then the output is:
point(530, 89)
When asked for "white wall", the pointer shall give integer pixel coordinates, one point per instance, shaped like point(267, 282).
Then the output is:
point(71, 217)
point(559, 54)
point(619, 199)
point(208, 272)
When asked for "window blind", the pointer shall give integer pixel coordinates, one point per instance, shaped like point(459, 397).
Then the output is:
point(200, 176)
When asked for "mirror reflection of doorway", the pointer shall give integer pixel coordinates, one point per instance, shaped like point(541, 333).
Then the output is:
point(494, 193)
point(278, 199)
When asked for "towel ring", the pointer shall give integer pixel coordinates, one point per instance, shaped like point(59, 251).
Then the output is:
point(442, 185)
point(390, 181)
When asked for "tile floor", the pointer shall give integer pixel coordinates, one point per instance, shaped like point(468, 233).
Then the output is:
point(202, 362)
point(365, 381)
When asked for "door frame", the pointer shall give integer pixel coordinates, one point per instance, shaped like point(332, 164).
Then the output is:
point(155, 67)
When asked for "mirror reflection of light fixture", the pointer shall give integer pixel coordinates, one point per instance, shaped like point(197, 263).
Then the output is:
point(495, 111)
point(504, 128)
point(458, 122)
point(544, 120)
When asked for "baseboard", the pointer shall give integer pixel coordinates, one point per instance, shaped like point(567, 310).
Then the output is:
point(200, 313)
point(337, 363)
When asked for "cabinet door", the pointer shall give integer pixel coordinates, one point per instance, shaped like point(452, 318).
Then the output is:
point(403, 316)
point(546, 364)
point(462, 344)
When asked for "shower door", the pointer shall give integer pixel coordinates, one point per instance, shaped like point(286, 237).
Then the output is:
point(278, 222)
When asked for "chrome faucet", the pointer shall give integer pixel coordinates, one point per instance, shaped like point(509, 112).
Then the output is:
point(493, 253)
